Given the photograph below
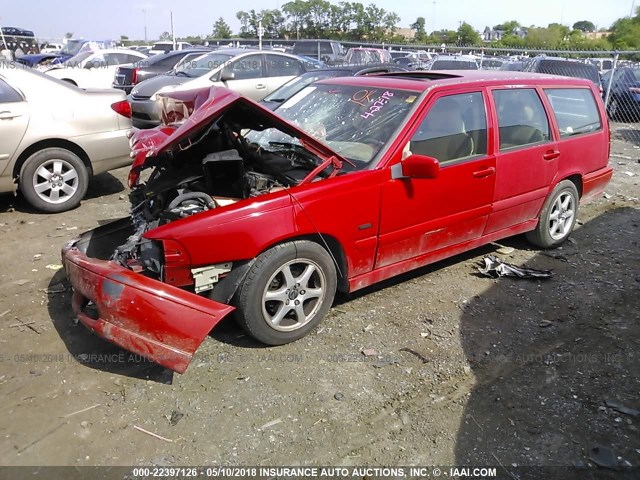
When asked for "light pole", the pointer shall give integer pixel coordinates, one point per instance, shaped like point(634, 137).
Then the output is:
point(144, 14)
point(633, 4)
point(433, 19)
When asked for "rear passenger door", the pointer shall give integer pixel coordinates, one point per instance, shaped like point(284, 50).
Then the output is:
point(280, 70)
point(526, 157)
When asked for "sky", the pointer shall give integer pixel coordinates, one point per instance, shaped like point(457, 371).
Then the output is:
point(108, 19)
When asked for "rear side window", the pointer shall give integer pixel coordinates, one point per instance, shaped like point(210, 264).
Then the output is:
point(521, 118)
point(8, 94)
point(575, 110)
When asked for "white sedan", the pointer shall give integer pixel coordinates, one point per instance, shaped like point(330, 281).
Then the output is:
point(54, 136)
point(94, 69)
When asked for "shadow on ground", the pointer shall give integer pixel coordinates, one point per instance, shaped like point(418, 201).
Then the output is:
point(547, 354)
point(90, 350)
point(100, 185)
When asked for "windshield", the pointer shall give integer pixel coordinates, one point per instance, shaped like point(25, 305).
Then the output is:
point(293, 86)
point(356, 122)
point(199, 66)
point(75, 60)
point(72, 47)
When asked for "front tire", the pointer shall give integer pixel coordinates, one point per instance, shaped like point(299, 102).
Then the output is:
point(54, 180)
point(287, 292)
point(557, 218)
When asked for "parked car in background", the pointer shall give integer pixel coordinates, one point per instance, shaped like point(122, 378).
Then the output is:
point(512, 66)
point(94, 69)
point(354, 181)
point(565, 67)
point(55, 136)
point(71, 48)
point(164, 47)
point(127, 76)
point(19, 41)
point(289, 89)
point(624, 95)
point(443, 62)
point(367, 56)
point(52, 48)
point(602, 64)
point(327, 51)
point(253, 73)
point(410, 61)
point(488, 63)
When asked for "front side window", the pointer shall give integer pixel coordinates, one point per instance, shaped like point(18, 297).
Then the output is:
point(197, 67)
point(575, 110)
point(278, 66)
point(248, 67)
point(521, 118)
point(454, 128)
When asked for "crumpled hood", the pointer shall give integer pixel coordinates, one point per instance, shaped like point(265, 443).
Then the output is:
point(202, 106)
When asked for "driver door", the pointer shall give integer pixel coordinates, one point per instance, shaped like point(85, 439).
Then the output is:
point(421, 217)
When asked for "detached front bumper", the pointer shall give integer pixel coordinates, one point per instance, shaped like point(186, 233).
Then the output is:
point(145, 316)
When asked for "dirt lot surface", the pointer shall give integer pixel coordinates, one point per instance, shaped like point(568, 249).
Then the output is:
point(460, 369)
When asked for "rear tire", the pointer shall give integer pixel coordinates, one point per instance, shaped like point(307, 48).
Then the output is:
point(54, 180)
point(557, 218)
point(287, 292)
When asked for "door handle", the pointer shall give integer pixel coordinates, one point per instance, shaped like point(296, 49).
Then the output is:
point(551, 154)
point(6, 115)
point(485, 172)
point(261, 86)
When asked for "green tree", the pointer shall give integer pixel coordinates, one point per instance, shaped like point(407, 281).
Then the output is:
point(625, 33)
point(165, 36)
point(419, 27)
point(68, 35)
point(584, 26)
point(466, 35)
point(508, 27)
point(221, 29)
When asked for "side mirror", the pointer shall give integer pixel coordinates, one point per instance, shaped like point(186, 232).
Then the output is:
point(416, 166)
point(227, 75)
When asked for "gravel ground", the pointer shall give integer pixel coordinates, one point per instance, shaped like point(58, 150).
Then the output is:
point(460, 369)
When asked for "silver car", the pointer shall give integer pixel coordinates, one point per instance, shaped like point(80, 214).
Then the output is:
point(252, 73)
point(53, 136)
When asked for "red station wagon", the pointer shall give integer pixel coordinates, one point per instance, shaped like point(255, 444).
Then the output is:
point(350, 182)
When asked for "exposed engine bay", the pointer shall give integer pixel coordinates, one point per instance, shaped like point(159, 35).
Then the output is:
point(214, 168)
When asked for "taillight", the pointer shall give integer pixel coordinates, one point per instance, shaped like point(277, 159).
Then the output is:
point(122, 108)
point(134, 76)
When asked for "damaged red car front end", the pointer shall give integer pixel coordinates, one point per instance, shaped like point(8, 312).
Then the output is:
point(133, 311)
point(135, 284)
